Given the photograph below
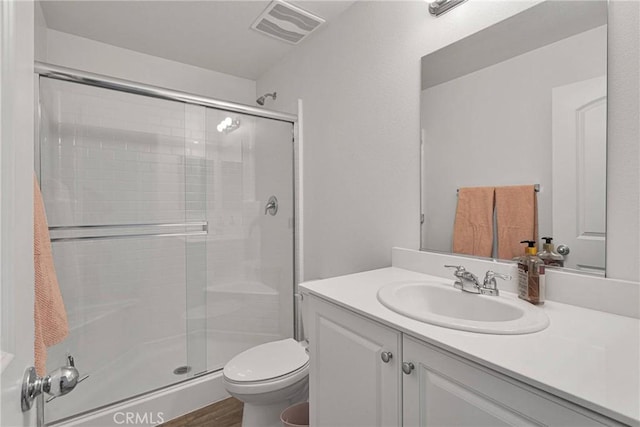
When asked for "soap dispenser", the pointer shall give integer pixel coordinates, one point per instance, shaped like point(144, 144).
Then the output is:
point(531, 280)
point(549, 255)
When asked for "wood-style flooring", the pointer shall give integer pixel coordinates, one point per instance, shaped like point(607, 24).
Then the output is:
point(226, 413)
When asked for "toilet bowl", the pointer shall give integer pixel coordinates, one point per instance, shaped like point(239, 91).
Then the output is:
point(268, 379)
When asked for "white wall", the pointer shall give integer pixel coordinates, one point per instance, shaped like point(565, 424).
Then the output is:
point(360, 83)
point(623, 139)
point(84, 54)
point(40, 33)
point(504, 141)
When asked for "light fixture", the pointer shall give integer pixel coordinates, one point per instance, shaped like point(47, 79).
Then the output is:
point(228, 125)
point(439, 7)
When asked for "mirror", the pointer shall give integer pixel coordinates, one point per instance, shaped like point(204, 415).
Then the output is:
point(522, 102)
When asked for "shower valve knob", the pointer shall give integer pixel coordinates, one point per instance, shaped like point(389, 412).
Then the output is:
point(272, 206)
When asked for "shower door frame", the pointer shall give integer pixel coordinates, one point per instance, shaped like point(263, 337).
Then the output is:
point(91, 79)
point(42, 69)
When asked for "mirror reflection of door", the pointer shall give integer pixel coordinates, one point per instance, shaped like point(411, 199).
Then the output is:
point(579, 132)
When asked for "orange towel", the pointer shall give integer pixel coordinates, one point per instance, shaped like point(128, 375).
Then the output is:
point(49, 314)
point(517, 219)
point(473, 228)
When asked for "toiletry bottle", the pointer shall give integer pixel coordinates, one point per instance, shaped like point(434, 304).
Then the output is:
point(549, 255)
point(531, 280)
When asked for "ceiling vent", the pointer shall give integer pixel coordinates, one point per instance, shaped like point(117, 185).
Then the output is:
point(286, 22)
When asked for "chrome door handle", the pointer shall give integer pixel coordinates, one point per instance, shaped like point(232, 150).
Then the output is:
point(386, 356)
point(58, 383)
point(563, 250)
point(407, 367)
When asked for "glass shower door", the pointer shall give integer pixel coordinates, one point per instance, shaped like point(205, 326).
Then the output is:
point(250, 246)
point(124, 182)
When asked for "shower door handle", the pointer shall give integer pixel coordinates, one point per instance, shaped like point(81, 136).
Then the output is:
point(272, 206)
point(58, 383)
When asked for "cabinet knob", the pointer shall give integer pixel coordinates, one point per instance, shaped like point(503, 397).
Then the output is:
point(386, 356)
point(407, 367)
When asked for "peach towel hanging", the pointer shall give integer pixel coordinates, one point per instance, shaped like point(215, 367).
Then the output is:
point(473, 227)
point(49, 314)
point(516, 218)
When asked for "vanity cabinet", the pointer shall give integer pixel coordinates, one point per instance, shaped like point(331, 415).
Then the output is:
point(349, 382)
point(351, 385)
point(446, 390)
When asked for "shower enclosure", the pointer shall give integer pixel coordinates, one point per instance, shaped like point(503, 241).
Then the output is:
point(169, 258)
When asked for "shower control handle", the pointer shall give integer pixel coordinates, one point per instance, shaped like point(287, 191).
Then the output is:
point(272, 206)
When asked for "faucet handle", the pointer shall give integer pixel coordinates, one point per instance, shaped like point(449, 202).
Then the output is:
point(489, 286)
point(459, 268)
point(492, 275)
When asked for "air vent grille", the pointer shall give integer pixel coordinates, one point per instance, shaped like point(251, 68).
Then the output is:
point(286, 22)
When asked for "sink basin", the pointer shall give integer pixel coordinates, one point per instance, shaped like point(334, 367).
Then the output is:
point(441, 304)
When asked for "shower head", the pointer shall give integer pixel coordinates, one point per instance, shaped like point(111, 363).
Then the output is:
point(261, 100)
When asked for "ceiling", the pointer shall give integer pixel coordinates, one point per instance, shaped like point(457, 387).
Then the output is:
point(209, 34)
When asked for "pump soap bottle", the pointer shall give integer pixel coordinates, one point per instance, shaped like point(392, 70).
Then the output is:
point(549, 255)
point(531, 280)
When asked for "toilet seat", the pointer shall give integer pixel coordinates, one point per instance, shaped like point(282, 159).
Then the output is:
point(267, 367)
point(266, 386)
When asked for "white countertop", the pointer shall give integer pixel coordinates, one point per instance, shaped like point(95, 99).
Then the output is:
point(585, 356)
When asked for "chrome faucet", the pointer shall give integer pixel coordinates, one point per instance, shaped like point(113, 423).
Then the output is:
point(468, 282)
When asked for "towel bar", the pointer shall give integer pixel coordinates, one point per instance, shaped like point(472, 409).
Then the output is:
point(536, 188)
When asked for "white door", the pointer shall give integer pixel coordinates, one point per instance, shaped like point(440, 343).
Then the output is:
point(579, 171)
point(354, 377)
point(16, 206)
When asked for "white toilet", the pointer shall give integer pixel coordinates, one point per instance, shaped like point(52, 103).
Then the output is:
point(268, 378)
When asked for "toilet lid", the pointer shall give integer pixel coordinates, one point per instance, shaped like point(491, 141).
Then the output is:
point(266, 361)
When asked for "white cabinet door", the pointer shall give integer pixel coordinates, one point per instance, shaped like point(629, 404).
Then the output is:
point(445, 390)
point(349, 383)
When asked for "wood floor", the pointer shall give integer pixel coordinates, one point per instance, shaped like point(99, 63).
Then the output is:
point(226, 413)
